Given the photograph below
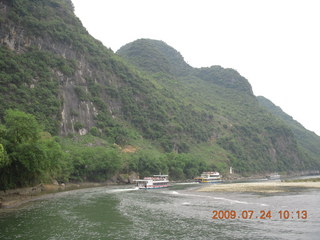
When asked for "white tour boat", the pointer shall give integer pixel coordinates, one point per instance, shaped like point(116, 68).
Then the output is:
point(157, 181)
point(209, 177)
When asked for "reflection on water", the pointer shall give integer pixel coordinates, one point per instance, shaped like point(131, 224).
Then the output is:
point(178, 212)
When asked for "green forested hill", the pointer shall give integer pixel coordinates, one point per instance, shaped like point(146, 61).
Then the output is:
point(243, 133)
point(179, 119)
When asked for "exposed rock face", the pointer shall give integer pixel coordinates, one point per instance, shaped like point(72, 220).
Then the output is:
point(128, 178)
point(73, 110)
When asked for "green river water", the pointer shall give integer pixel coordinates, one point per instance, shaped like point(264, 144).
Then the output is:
point(178, 212)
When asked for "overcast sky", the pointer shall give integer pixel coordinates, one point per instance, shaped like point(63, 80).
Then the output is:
point(275, 44)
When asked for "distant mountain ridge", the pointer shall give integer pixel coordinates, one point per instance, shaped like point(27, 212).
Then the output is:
point(156, 56)
point(145, 95)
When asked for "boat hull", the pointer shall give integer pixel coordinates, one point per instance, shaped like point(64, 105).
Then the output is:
point(154, 187)
point(211, 181)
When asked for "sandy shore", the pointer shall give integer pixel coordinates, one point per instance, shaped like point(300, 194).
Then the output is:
point(262, 187)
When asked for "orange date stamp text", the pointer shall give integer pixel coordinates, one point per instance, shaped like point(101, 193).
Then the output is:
point(262, 214)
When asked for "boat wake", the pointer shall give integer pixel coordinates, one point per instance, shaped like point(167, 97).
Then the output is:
point(215, 198)
point(122, 190)
point(172, 192)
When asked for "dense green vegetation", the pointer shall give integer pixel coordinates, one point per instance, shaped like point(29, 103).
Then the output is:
point(29, 156)
point(182, 120)
point(155, 57)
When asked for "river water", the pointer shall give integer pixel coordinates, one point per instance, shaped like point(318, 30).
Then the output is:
point(178, 212)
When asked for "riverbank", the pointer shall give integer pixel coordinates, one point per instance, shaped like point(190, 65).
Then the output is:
point(15, 197)
point(261, 187)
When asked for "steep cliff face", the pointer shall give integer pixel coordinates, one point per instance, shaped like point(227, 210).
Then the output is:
point(34, 26)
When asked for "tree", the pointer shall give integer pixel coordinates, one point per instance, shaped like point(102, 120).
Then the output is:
point(30, 156)
point(21, 127)
point(3, 156)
